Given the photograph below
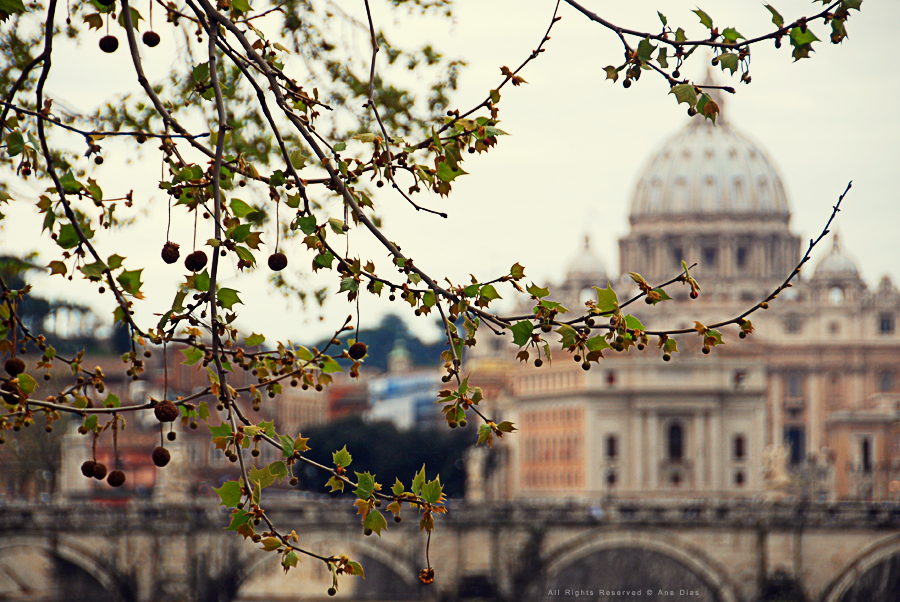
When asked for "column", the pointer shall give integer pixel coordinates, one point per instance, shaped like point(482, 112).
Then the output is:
point(697, 444)
point(814, 420)
point(653, 444)
point(776, 407)
point(857, 388)
point(636, 451)
point(715, 450)
point(728, 259)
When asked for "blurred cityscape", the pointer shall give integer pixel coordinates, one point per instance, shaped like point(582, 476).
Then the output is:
point(727, 471)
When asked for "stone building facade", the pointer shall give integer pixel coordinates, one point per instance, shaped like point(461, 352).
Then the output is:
point(820, 377)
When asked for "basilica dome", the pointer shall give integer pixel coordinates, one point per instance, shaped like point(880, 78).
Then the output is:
point(709, 170)
point(837, 263)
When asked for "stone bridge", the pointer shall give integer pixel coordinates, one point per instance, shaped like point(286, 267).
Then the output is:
point(616, 551)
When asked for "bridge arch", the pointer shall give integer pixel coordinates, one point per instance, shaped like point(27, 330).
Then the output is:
point(395, 559)
point(882, 551)
point(74, 552)
point(655, 542)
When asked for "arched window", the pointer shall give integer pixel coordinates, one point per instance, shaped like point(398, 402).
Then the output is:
point(836, 295)
point(676, 442)
point(739, 447)
point(612, 447)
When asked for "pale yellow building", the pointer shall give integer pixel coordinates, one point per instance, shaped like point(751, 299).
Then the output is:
point(820, 377)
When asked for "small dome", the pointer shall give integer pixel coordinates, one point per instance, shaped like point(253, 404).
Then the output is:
point(708, 170)
point(836, 263)
point(586, 265)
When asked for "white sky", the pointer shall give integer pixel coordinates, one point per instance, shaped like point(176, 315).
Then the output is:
point(577, 147)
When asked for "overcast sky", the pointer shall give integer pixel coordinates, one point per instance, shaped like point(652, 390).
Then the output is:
point(578, 146)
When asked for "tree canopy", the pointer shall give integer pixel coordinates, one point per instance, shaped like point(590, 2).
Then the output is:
point(245, 143)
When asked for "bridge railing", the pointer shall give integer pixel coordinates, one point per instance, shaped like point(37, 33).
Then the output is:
point(71, 516)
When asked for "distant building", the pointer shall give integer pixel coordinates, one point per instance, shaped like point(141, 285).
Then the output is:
point(404, 397)
point(821, 375)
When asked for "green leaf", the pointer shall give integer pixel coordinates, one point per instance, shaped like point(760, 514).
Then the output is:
point(227, 297)
point(728, 60)
point(229, 493)
point(446, 172)
point(429, 299)
point(663, 295)
point(57, 267)
point(323, 260)
point(112, 401)
point(307, 224)
point(200, 74)
point(114, 261)
point(418, 481)
point(135, 17)
point(277, 179)
point(489, 292)
point(607, 299)
point(27, 384)
point(335, 483)
point(670, 346)
point(337, 225)
point(331, 365)
point(93, 271)
point(662, 59)
point(340, 146)
point(131, 281)
point(522, 332)
point(645, 49)
point(597, 343)
point(568, 335)
point(221, 431)
point(537, 291)
point(270, 544)
point(68, 237)
point(398, 488)
point(495, 96)
point(800, 37)
point(10, 7)
point(93, 20)
point(342, 457)
point(262, 477)
point(90, 423)
point(431, 491)
point(291, 558)
point(375, 521)
point(15, 144)
point(69, 183)
point(191, 172)
point(254, 339)
point(192, 355)
point(611, 73)
point(732, 35)
point(240, 209)
point(777, 19)
point(662, 18)
point(287, 446)
point(633, 323)
point(298, 159)
point(685, 93)
point(485, 434)
point(199, 281)
point(704, 18)
point(365, 485)
point(707, 107)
